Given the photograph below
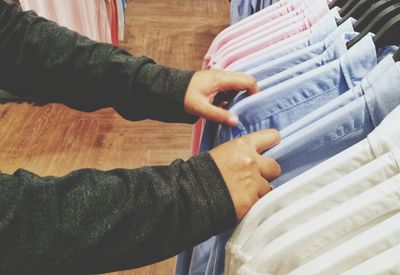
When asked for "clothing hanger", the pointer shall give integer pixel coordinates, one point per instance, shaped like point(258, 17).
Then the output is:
point(396, 56)
point(372, 12)
point(389, 34)
point(337, 3)
point(378, 23)
point(351, 5)
point(355, 10)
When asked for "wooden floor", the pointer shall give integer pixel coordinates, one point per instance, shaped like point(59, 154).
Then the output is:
point(54, 140)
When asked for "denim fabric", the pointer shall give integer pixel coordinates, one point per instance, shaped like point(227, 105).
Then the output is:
point(325, 27)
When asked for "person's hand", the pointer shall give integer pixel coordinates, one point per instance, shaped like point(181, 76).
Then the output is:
point(245, 171)
point(205, 85)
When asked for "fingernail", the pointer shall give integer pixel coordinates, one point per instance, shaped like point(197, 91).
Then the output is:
point(233, 120)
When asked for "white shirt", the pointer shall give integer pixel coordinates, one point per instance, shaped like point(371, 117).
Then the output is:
point(319, 202)
point(326, 231)
point(381, 140)
point(385, 263)
point(357, 250)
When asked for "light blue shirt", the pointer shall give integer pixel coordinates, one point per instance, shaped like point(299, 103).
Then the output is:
point(333, 52)
point(356, 92)
point(340, 129)
point(287, 102)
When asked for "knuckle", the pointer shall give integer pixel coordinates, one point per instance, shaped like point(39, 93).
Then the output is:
point(249, 161)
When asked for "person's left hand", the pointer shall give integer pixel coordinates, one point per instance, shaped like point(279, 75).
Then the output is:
point(205, 85)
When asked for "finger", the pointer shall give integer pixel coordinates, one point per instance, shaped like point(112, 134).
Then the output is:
point(264, 188)
point(264, 139)
point(218, 115)
point(269, 168)
point(234, 81)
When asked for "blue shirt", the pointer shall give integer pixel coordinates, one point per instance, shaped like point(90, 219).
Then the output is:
point(342, 100)
point(336, 49)
point(285, 103)
point(340, 129)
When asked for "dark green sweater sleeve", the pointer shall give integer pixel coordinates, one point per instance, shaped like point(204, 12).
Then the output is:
point(93, 222)
point(42, 60)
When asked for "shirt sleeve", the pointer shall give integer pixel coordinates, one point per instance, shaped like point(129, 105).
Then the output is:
point(92, 221)
point(42, 60)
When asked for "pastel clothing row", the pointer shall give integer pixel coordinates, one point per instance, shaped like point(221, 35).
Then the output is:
point(325, 28)
point(381, 140)
point(277, 62)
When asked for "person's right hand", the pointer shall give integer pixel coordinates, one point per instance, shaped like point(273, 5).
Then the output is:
point(245, 171)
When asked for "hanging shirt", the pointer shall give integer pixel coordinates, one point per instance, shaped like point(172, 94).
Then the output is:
point(310, 18)
point(380, 87)
point(325, 27)
point(208, 132)
point(287, 102)
point(334, 52)
point(319, 202)
point(360, 60)
point(362, 247)
point(385, 263)
point(328, 230)
point(328, 136)
point(266, 15)
point(277, 107)
point(300, 14)
point(279, 65)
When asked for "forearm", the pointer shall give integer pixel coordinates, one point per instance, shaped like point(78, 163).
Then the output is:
point(92, 222)
point(42, 60)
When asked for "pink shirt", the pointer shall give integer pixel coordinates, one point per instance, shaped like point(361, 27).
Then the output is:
point(300, 23)
point(250, 23)
point(89, 18)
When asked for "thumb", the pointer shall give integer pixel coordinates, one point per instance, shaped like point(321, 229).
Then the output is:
point(264, 139)
point(219, 115)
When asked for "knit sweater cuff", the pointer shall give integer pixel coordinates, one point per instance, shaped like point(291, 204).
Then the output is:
point(220, 205)
point(167, 88)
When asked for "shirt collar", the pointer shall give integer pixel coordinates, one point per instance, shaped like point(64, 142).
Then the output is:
point(382, 94)
point(345, 27)
point(382, 89)
point(325, 26)
point(359, 60)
